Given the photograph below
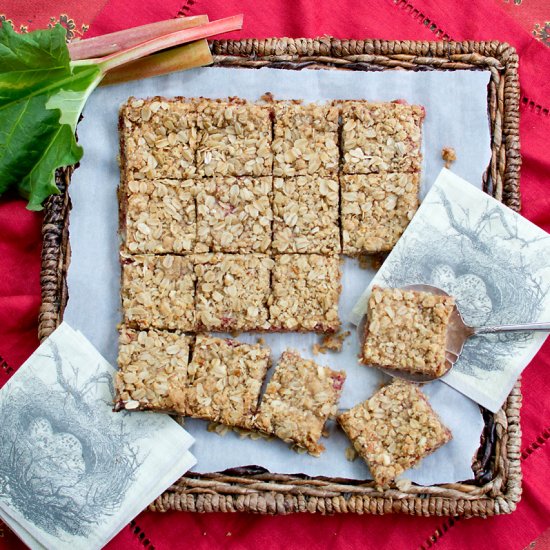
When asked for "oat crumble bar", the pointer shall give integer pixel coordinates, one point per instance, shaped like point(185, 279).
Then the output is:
point(225, 378)
point(158, 138)
point(152, 364)
point(234, 138)
point(407, 330)
point(305, 139)
point(158, 217)
point(232, 291)
point(305, 293)
point(394, 430)
point(299, 399)
point(375, 210)
point(234, 214)
point(305, 210)
point(158, 292)
point(381, 137)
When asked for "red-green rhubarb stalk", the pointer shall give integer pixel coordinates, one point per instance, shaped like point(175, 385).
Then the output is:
point(43, 92)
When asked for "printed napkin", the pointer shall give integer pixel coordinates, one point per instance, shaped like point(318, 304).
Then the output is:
point(72, 472)
point(497, 266)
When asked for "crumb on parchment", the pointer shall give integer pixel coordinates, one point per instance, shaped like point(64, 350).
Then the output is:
point(331, 342)
point(448, 154)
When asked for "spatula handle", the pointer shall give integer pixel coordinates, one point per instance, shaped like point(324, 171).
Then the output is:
point(537, 327)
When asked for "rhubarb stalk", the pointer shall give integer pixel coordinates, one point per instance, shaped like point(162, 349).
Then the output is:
point(188, 56)
point(174, 39)
point(106, 44)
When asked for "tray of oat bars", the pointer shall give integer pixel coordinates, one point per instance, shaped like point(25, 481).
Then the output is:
point(286, 190)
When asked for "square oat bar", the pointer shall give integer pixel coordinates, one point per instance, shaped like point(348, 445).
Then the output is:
point(306, 289)
point(152, 367)
point(305, 210)
point(158, 292)
point(234, 139)
point(375, 210)
point(394, 430)
point(407, 330)
point(234, 214)
point(381, 137)
point(158, 138)
point(158, 217)
point(298, 400)
point(232, 291)
point(305, 139)
point(225, 379)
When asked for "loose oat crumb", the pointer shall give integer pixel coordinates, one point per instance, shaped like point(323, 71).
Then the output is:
point(260, 340)
point(448, 154)
point(331, 342)
point(267, 97)
point(351, 454)
point(220, 429)
point(403, 484)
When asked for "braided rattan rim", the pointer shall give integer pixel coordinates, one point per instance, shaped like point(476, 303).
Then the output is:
point(267, 493)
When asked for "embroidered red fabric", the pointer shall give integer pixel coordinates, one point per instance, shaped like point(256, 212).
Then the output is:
point(386, 19)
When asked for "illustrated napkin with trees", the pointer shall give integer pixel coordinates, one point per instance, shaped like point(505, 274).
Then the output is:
point(73, 472)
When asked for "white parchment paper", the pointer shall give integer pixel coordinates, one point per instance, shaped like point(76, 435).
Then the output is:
point(456, 115)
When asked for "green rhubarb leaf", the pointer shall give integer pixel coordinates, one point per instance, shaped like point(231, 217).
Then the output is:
point(71, 99)
point(42, 94)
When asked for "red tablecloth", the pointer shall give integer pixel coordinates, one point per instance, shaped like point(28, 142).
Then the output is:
point(399, 19)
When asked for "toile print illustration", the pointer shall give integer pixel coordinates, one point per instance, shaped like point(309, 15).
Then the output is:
point(68, 464)
point(494, 262)
point(54, 449)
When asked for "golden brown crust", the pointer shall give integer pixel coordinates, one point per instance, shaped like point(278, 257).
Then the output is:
point(375, 210)
point(158, 138)
point(234, 214)
point(407, 330)
point(158, 217)
point(394, 430)
point(234, 138)
point(305, 293)
point(152, 364)
point(158, 292)
point(305, 139)
point(224, 380)
point(305, 210)
point(232, 291)
point(298, 400)
point(381, 137)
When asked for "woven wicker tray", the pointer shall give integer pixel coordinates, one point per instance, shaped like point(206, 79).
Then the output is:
point(496, 488)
